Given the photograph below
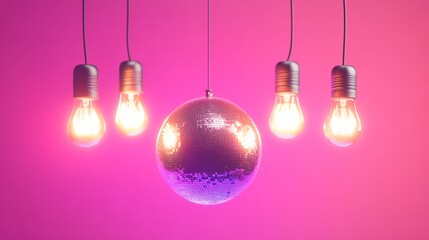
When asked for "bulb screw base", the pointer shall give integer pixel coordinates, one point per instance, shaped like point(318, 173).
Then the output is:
point(287, 77)
point(343, 81)
point(130, 76)
point(85, 81)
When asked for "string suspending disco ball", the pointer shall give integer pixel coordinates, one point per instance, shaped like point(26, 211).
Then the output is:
point(208, 150)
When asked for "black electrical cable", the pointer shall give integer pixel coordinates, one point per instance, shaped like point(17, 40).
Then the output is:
point(344, 30)
point(83, 31)
point(128, 30)
point(291, 29)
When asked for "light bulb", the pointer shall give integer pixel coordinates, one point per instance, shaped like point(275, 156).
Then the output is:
point(286, 119)
point(131, 117)
point(86, 125)
point(343, 126)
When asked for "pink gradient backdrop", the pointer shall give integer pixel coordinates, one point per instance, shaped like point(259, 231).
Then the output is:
point(305, 189)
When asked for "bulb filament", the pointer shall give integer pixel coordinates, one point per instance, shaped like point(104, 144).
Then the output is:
point(131, 117)
point(286, 119)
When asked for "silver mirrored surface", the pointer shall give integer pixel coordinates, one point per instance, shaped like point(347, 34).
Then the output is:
point(208, 150)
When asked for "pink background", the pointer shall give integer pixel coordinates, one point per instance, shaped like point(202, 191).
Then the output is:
point(305, 188)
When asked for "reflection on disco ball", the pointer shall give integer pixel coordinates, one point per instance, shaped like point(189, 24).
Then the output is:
point(208, 150)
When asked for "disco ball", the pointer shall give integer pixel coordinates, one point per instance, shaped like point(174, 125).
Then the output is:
point(208, 150)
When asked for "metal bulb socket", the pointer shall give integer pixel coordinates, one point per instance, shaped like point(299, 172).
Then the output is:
point(287, 77)
point(343, 82)
point(209, 93)
point(85, 81)
point(130, 77)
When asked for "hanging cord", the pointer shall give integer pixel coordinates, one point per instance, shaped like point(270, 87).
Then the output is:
point(83, 31)
point(344, 30)
point(128, 30)
point(208, 91)
point(291, 29)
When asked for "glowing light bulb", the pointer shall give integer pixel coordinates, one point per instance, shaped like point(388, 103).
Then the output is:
point(131, 117)
point(86, 125)
point(343, 126)
point(286, 119)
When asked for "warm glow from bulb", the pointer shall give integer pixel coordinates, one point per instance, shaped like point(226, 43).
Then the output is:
point(171, 138)
point(286, 119)
point(343, 123)
point(131, 118)
point(343, 127)
point(245, 135)
point(86, 125)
